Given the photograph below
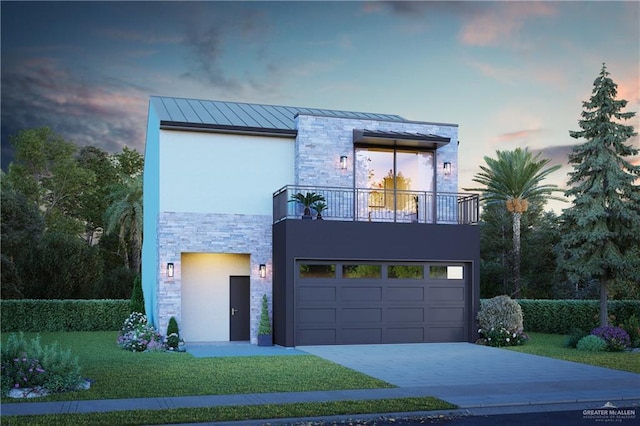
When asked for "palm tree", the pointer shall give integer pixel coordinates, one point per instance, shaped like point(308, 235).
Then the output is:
point(124, 214)
point(514, 178)
point(307, 200)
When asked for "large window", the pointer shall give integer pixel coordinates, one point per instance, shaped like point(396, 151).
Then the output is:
point(394, 182)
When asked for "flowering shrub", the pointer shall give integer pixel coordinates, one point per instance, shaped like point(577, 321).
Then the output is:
point(136, 335)
point(615, 337)
point(29, 365)
point(134, 319)
point(173, 341)
point(22, 372)
point(500, 312)
point(503, 337)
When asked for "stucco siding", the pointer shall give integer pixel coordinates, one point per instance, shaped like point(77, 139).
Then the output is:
point(222, 173)
point(205, 294)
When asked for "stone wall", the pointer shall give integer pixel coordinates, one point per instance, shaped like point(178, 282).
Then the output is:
point(211, 233)
point(321, 141)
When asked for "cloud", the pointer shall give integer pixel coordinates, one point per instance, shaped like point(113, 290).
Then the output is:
point(520, 135)
point(136, 35)
point(558, 154)
point(500, 23)
point(38, 92)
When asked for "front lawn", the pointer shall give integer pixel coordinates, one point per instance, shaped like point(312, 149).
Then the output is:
point(552, 345)
point(234, 413)
point(117, 373)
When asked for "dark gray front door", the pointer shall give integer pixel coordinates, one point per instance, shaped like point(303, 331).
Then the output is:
point(239, 308)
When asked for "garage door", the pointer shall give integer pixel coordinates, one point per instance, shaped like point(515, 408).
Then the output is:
point(342, 303)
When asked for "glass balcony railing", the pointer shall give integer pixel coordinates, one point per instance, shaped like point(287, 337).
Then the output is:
point(376, 205)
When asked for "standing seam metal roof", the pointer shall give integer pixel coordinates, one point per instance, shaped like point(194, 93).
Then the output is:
point(194, 112)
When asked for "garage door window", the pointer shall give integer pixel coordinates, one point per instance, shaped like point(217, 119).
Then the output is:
point(438, 272)
point(362, 271)
point(406, 272)
point(310, 270)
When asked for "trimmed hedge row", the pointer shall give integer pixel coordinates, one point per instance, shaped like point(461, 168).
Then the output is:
point(63, 315)
point(562, 316)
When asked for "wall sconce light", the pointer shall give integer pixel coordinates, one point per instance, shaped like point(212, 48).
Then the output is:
point(343, 162)
point(262, 269)
point(170, 270)
point(447, 168)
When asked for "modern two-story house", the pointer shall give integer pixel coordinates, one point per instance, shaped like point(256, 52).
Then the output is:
point(388, 252)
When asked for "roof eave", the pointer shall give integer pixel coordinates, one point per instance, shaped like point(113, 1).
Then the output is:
point(217, 128)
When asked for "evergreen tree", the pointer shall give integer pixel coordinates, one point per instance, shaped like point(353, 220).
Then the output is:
point(601, 230)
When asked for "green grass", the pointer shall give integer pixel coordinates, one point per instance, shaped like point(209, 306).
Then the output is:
point(552, 345)
point(120, 374)
point(236, 413)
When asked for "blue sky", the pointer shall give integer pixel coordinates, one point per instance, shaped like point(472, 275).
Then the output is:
point(509, 73)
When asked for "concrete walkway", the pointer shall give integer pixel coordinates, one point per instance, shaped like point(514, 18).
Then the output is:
point(470, 376)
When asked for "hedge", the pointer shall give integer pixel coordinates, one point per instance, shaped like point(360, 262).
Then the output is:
point(63, 315)
point(562, 316)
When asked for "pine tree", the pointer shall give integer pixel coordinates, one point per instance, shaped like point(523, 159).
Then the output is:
point(601, 237)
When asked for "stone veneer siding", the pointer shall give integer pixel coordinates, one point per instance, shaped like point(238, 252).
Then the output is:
point(322, 140)
point(211, 233)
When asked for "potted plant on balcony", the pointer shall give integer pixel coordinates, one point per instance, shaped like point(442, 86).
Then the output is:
point(319, 207)
point(265, 334)
point(307, 200)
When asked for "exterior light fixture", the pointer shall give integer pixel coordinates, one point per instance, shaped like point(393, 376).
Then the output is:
point(262, 269)
point(343, 162)
point(447, 168)
point(170, 270)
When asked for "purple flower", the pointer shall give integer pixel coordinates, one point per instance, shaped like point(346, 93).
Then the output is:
point(617, 339)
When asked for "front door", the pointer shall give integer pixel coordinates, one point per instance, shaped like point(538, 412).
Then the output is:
point(239, 308)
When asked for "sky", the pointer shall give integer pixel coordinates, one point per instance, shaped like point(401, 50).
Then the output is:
point(510, 74)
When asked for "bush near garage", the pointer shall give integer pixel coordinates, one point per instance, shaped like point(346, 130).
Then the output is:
point(501, 321)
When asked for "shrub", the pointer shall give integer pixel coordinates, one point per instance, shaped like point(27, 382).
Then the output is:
point(501, 312)
point(632, 327)
point(62, 315)
point(28, 365)
point(136, 334)
point(264, 327)
point(503, 337)
point(591, 343)
point(561, 316)
point(137, 297)
point(574, 337)
point(616, 338)
point(173, 335)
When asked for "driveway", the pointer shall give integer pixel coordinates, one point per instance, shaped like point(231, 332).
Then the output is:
point(471, 375)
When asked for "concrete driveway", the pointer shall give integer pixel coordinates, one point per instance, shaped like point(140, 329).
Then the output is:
point(479, 376)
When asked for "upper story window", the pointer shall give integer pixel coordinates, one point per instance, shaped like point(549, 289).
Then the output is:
point(397, 180)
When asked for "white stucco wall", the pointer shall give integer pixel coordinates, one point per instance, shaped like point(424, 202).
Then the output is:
point(222, 173)
point(205, 294)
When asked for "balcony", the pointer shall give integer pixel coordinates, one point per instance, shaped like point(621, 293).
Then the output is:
point(380, 205)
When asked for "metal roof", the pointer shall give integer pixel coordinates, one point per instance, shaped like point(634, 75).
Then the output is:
point(196, 113)
point(408, 139)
